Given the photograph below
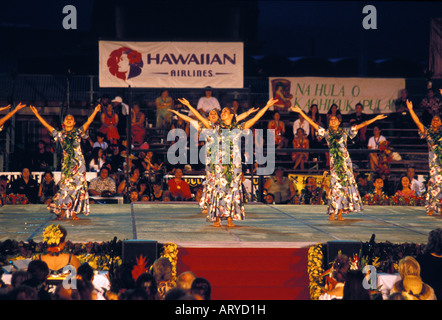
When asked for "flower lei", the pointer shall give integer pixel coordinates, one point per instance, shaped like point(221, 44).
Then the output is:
point(436, 137)
point(339, 166)
point(68, 151)
point(52, 235)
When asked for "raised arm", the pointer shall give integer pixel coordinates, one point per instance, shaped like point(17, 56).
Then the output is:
point(244, 115)
point(260, 113)
point(368, 122)
point(192, 121)
point(11, 113)
point(306, 117)
point(91, 117)
point(198, 115)
point(43, 121)
point(415, 118)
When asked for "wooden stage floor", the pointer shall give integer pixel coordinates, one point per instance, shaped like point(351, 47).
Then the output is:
point(183, 224)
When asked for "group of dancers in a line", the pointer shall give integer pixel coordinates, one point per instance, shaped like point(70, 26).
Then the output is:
point(222, 196)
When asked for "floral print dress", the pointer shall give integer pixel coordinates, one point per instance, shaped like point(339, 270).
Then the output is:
point(223, 187)
point(72, 195)
point(344, 193)
point(433, 197)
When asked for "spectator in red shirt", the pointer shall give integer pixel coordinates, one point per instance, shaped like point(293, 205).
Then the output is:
point(179, 189)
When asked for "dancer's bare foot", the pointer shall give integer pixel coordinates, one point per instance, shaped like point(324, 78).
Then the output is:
point(217, 223)
point(430, 213)
point(332, 217)
point(74, 216)
point(229, 222)
point(205, 211)
point(340, 218)
point(61, 215)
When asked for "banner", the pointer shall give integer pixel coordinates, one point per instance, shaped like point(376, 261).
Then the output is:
point(171, 64)
point(435, 61)
point(376, 95)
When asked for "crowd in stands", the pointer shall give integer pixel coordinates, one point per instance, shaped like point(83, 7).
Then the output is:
point(106, 153)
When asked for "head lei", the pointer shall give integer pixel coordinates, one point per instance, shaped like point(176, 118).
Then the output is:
point(54, 235)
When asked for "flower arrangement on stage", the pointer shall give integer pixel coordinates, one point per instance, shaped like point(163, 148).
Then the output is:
point(407, 201)
point(170, 251)
point(315, 268)
point(375, 199)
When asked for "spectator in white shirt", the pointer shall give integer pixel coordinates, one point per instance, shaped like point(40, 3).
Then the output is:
point(100, 143)
point(208, 103)
point(415, 185)
point(301, 123)
point(373, 144)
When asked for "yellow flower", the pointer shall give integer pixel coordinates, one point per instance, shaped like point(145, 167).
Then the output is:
point(52, 235)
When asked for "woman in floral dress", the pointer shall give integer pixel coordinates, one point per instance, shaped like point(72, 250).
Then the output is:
point(72, 197)
point(213, 122)
point(344, 194)
point(433, 135)
point(225, 196)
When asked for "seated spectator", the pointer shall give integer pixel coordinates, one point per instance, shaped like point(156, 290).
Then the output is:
point(48, 188)
point(97, 160)
point(201, 288)
point(281, 187)
point(377, 196)
point(144, 188)
point(149, 163)
point(162, 273)
point(146, 281)
point(301, 123)
point(138, 125)
point(373, 144)
point(312, 194)
point(101, 143)
point(134, 179)
point(185, 280)
point(109, 124)
point(357, 118)
point(354, 288)
point(134, 195)
point(431, 106)
point(334, 111)
point(411, 283)
point(26, 185)
point(339, 271)
point(178, 188)
point(300, 142)
point(158, 192)
point(279, 127)
point(363, 185)
point(416, 185)
point(39, 272)
point(207, 103)
point(103, 184)
point(404, 188)
point(42, 159)
point(163, 103)
point(431, 262)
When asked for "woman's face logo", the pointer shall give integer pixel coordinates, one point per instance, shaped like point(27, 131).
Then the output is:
point(125, 63)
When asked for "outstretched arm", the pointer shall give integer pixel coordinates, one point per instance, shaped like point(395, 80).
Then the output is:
point(306, 117)
point(193, 122)
point(415, 118)
point(244, 115)
point(43, 121)
point(368, 122)
point(260, 113)
point(91, 117)
point(11, 113)
point(198, 115)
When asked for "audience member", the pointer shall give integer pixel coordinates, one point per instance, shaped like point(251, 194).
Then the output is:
point(48, 188)
point(411, 283)
point(101, 143)
point(300, 142)
point(146, 281)
point(363, 186)
point(122, 110)
point(431, 262)
point(377, 196)
point(97, 160)
point(339, 271)
point(401, 118)
point(208, 103)
point(334, 111)
point(138, 129)
point(163, 103)
point(178, 188)
point(301, 123)
point(312, 194)
point(280, 187)
point(162, 273)
point(201, 288)
point(39, 272)
point(373, 144)
point(134, 179)
point(357, 118)
point(404, 188)
point(103, 185)
point(185, 280)
point(42, 159)
point(415, 185)
point(279, 130)
point(26, 185)
point(109, 124)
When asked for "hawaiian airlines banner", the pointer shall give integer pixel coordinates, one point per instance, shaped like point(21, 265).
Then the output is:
point(376, 95)
point(171, 64)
